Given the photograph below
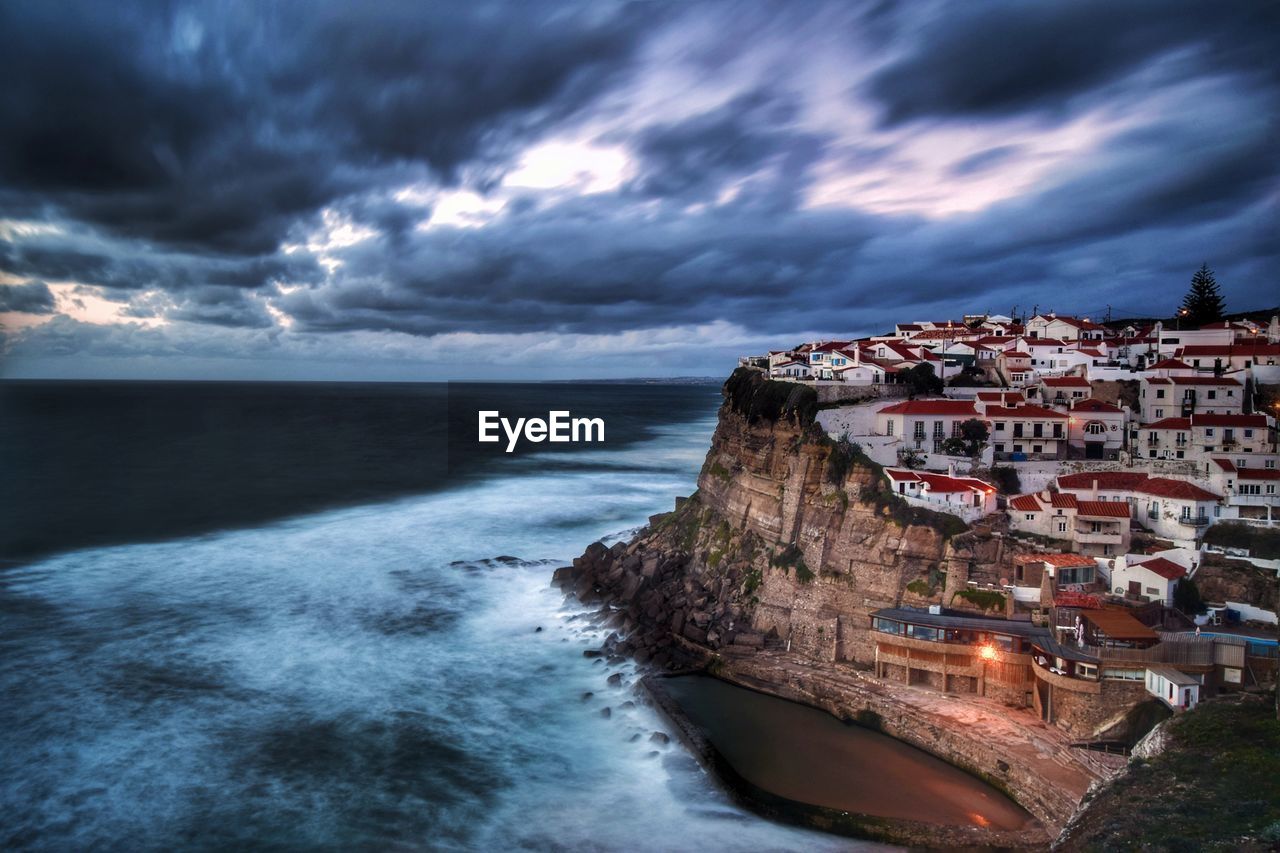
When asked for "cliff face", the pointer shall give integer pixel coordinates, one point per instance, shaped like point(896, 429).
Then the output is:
point(791, 540)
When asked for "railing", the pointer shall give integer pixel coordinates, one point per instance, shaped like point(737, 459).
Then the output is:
point(1194, 521)
point(1188, 652)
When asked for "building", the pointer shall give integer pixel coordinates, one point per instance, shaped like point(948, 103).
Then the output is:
point(1026, 432)
point(1101, 528)
point(966, 497)
point(1252, 492)
point(956, 652)
point(1064, 391)
point(1065, 328)
point(1182, 396)
point(1202, 437)
point(1220, 358)
point(1096, 429)
point(791, 369)
point(1145, 578)
point(925, 424)
point(1175, 510)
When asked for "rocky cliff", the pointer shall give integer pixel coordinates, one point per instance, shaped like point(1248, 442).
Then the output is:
point(791, 540)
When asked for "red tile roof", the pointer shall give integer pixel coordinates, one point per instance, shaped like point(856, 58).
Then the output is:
point(939, 482)
point(1203, 380)
point(1066, 382)
point(1025, 503)
point(1118, 624)
point(955, 408)
point(1062, 500)
point(1091, 405)
point(1257, 474)
point(1107, 480)
point(1177, 489)
point(1225, 464)
point(1258, 420)
point(1170, 364)
point(1170, 423)
point(1001, 396)
point(1166, 569)
point(1103, 509)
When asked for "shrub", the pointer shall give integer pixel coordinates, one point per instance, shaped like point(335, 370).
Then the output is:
point(985, 599)
point(759, 399)
point(1006, 480)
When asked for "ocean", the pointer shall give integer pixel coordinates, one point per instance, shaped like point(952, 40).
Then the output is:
point(319, 616)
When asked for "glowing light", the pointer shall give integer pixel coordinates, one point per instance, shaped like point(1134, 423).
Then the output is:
point(987, 652)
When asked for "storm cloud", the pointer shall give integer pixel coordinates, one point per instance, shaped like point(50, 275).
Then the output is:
point(503, 184)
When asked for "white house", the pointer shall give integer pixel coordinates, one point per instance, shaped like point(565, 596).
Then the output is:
point(1145, 577)
point(966, 497)
point(1173, 687)
point(1093, 527)
point(1253, 492)
point(1171, 509)
point(925, 424)
point(1064, 328)
point(1179, 396)
point(1202, 437)
point(1064, 390)
point(791, 369)
point(1033, 432)
point(1096, 428)
point(1223, 358)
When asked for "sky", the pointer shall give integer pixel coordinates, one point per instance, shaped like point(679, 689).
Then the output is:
point(525, 190)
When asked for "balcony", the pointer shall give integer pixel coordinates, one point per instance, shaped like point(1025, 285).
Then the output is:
point(1194, 520)
point(1109, 536)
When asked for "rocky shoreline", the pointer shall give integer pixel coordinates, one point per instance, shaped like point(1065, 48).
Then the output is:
point(766, 577)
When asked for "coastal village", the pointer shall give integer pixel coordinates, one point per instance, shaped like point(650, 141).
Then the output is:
point(1128, 457)
point(1032, 547)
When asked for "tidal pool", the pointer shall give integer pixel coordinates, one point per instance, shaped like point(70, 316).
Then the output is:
point(809, 756)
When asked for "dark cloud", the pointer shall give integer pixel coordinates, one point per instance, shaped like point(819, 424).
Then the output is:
point(185, 155)
point(32, 298)
point(1000, 58)
point(214, 128)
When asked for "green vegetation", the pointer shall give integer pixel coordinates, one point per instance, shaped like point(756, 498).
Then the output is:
point(752, 582)
point(759, 399)
point(1213, 787)
point(985, 599)
point(720, 472)
point(1261, 542)
point(1203, 303)
point(1186, 597)
point(919, 587)
point(886, 503)
point(921, 379)
point(714, 558)
point(844, 453)
point(790, 557)
point(973, 436)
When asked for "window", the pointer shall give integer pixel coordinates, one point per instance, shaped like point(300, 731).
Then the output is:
point(889, 427)
point(1086, 670)
point(1159, 393)
point(999, 426)
point(938, 429)
point(1159, 413)
point(1213, 395)
point(999, 448)
point(1062, 527)
point(1151, 590)
point(1095, 428)
point(1186, 511)
point(1208, 432)
point(919, 431)
point(1031, 516)
point(1248, 433)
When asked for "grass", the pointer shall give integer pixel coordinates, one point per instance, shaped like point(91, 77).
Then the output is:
point(720, 472)
point(1213, 788)
point(919, 587)
point(986, 599)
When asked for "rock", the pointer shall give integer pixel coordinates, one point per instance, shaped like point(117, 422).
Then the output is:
point(562, 576)
point(695, 634)
point(592, 653)
point(606, 712)
point(538, 630)
point(587, 696)
point(614, 680)
point(677, 622)
point(660, 737)
point(627, 706)
point(701, 618)
point(753, 640)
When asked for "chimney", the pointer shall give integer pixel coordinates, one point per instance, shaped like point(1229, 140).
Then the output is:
point(1093, 489)
point(951, 469)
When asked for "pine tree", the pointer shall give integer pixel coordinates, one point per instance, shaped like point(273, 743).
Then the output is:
point(1203, 303)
